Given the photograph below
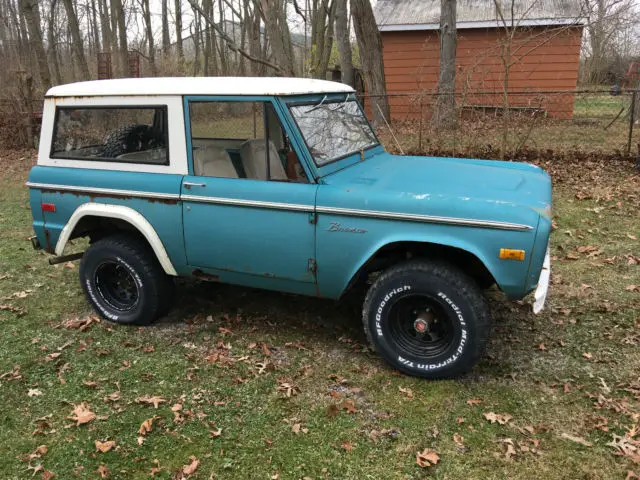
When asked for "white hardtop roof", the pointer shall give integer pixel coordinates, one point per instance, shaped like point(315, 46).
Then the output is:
point(199, 86)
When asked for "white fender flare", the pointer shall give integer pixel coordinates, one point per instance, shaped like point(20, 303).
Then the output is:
point(120, 212)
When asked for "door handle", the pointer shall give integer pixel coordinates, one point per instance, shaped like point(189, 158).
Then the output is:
point(192, 184)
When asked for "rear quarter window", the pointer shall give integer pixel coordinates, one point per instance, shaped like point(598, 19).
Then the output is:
point(117, 134)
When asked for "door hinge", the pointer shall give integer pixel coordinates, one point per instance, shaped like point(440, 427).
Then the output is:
point(313, 218)
point(312, 267)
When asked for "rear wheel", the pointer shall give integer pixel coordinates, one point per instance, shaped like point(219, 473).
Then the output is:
point(427, 319)
point(124, 282)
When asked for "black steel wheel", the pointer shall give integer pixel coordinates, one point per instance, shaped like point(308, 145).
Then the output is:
point(116, 286)
point(427, 319)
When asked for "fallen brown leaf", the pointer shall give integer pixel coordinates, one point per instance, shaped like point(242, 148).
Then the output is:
point(81, 414)
point(192, 467)
point(348, 446)
point(407, 391)
point(151, 400)
point(497, 417)
point(427, 458)
point(103, 471)
point(575, 439)
point(104, 447)
point(349, 406)
point(147, 425)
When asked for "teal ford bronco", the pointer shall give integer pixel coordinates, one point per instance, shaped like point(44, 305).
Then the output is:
point(282, 184)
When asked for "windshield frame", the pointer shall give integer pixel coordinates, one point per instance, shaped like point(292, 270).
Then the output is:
point(326, 99)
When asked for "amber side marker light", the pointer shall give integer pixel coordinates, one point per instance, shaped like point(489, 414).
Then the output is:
point(509, 254)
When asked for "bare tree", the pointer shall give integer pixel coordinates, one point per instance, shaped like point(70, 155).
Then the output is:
point(146, 14)
point(343, 43)
point(322, 20)
point(77, 46)
point(178, 22)
point(52, 43)
point(370, 49)
point(29, 9)
point(274, 15)
point(117, 12)
point(166, 42)
point(444, 115)
point(605, 19)
point(231, 44)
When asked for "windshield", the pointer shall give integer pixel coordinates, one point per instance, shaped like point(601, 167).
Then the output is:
point(333, 130)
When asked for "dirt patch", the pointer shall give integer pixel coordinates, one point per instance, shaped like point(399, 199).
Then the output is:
point(16, 162)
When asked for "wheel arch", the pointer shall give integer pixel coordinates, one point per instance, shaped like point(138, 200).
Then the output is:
point(120, 213)
point(388, 253)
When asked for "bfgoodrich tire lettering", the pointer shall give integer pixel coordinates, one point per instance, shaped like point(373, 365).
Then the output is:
point(124, 282)
point(427, 319)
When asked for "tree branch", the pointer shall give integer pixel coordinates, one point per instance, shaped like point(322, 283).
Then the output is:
point(229, 41)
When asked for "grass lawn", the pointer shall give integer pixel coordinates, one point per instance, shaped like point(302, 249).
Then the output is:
point(260, 385)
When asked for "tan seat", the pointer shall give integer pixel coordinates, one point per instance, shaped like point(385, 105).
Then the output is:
point(213, 161)
point(254, 160)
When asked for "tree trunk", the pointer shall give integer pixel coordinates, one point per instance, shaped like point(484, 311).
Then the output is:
point(277, 31)
point(76, 40)
point(179, 46)
point(95, 28)
point(370, 48)
point(105, 26)
point(146, 13)
point(343, 43)
point(29, 9)
point(166, 42)
point(196, 43)
point(123, 49)
point(51, 40)
point(444, 115)
point(207, 6)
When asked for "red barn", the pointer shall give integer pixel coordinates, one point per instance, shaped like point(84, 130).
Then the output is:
point(535, 44)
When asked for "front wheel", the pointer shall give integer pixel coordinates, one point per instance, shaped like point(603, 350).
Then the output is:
point(427, 319)
point(124, 282)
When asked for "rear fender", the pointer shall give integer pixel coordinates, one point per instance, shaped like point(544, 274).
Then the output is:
point(120, 212)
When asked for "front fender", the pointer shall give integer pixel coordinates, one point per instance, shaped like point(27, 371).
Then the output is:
point(341, 253)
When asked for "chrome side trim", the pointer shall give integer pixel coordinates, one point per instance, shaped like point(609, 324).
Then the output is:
point(249, 203)
point(410, 217)
point(104, 191)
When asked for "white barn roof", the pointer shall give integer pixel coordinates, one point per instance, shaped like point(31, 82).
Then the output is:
point(398, 15)
point(199, 86)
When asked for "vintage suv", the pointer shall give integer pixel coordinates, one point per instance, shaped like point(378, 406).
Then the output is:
point(282, 184)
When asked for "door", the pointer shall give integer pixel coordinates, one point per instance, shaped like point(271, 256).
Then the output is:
point(248, 209)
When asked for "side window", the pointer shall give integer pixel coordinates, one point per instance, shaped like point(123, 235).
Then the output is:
point(235, 139)
point(117, 134)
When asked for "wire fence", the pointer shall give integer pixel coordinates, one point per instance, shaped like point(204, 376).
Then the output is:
point(504, 124)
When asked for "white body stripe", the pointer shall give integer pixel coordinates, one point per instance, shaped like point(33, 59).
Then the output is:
point(349, 212)
point(123, 213)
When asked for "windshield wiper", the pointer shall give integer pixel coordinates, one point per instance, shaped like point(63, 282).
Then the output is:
point(341, 106)
point(315, 107)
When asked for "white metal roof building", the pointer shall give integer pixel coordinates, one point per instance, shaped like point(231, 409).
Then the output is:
point(398, 15)
point(199, 86)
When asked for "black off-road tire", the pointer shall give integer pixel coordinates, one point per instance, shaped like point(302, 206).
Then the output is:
point(132, 259)
point(128, 139)
point(453, 299)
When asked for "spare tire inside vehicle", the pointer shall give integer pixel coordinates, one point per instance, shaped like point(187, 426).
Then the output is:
point(131, 138)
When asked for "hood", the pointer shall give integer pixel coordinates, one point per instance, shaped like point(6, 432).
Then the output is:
point(436, 178)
